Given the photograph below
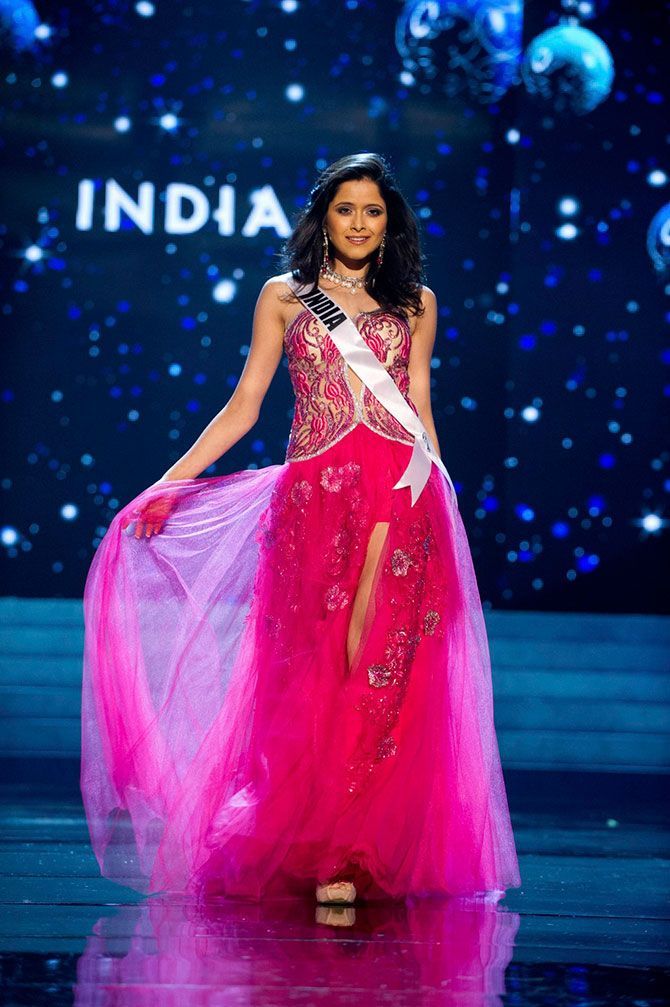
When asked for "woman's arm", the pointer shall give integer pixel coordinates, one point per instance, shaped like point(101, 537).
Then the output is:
point(241, 411)
point(423, 341)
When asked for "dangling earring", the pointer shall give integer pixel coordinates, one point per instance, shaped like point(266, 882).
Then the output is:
point(380, 252)
point(326, 257)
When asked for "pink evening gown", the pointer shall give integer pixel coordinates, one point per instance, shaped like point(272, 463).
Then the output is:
point(228, 746)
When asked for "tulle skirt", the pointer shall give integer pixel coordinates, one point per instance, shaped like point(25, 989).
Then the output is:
point(232, 746)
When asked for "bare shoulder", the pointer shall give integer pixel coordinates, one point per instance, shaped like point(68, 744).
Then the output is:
point(276, 287)
point(427, 319)
point(428, 298)
point(276, 295)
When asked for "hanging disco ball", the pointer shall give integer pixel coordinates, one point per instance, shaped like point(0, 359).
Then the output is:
point(568, 67)
point(658, 239)
point(454, 45)
point(18, 21)
point(585, 10)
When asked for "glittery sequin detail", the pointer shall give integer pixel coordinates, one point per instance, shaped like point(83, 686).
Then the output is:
point(409, 594)
point(416, 595)
point(301, 492)
point(334, 478)
point(336, 598)
point(401, 561)
point(430, 621)
point(379, 675)
point(326, 408)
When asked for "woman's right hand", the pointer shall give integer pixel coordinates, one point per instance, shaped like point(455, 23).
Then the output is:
point(152, 516)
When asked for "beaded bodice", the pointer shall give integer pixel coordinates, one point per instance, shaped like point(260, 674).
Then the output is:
point(326, 406)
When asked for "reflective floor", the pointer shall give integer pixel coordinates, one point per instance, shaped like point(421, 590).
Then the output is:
point(589, 925)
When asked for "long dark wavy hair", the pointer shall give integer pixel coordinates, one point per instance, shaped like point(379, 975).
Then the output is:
point(396, 284)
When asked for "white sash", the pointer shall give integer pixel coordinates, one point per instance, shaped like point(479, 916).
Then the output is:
point(374, 375)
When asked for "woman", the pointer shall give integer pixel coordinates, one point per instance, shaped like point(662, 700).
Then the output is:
point(290, 685)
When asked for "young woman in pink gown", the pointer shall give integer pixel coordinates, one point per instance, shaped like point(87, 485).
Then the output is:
point(287, 680)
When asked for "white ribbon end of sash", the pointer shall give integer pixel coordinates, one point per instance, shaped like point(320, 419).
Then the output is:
point(417, 473)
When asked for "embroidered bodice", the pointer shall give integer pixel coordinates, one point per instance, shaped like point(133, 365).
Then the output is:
point(326, 406)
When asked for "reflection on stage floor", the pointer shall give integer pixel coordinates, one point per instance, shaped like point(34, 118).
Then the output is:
point(588, 926)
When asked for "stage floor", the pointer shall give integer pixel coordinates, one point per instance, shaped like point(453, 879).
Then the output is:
point(588, 926)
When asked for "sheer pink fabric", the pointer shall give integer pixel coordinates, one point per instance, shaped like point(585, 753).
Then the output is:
point(228, 747)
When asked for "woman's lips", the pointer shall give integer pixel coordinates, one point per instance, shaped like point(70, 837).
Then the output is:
point(357, 241)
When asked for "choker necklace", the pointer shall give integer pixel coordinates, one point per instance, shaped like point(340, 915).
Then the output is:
point(352, 283)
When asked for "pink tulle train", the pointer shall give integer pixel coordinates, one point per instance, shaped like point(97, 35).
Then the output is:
point(229, 746)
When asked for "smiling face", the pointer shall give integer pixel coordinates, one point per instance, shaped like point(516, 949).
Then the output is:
point(356, 221)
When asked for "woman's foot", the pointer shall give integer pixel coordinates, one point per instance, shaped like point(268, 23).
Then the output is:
point(336, 893)
point(336, 916)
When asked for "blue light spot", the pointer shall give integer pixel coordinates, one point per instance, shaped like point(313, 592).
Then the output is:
point(74, 313)
point(560, 529)
point(595, 504)
point(524, 512)
point(258, 446)
point(587, 563)
point(188, 323)
point(376, 107)
point(527, 342)
point(607, 461)
point(56, 263)
point(193, 406)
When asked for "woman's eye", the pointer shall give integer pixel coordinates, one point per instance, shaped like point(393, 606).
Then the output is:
point(375, 211)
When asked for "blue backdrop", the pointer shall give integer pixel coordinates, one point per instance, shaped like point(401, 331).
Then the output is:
point(154, 157)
